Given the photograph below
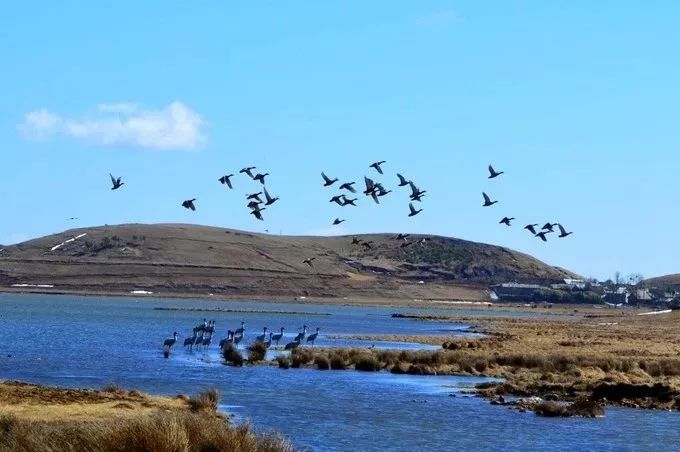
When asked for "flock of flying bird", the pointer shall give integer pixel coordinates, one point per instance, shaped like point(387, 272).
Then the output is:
point(541, 234)
point(202, 336)
point(374, 189)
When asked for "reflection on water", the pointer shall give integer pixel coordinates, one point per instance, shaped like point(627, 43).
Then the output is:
point(90, 341)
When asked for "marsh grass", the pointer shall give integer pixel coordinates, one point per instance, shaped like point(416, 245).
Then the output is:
point(164, 431)
point(232, 355)
point(283, 361)
point(206, 400)
point(256, 352)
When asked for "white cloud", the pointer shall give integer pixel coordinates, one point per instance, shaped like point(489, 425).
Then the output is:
point(437, 18)
point(39, 124)
point(175, 126)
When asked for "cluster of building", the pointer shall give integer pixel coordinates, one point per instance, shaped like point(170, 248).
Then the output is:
point(582, 291)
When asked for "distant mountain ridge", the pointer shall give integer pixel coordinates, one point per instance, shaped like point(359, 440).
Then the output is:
point(193, 259)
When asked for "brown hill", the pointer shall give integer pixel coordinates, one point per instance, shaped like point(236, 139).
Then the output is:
point(190, 259)
point(666, 281)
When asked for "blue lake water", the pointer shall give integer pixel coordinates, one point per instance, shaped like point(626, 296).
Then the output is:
point(91, 341)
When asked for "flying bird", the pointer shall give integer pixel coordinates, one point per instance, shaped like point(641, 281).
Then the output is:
point(248, 171)
point(254, 204)
point(348, 202)
point(327, 181)
point(309, 261)
point(348, 186)
point(116, 182)
point(189, 204)
point(493, 173)
point(541, 235)
point(255, 196)
point(376, 165)
point(225, 180)
point(370, 185)
point(257, 212)
point(506, 221)
point(416, 193)
point(269, 199)
point(563, 232)
point(531, 228)
point(401, 236)
point(337, 199)
point(260, 177)
point(414, 212)
point(337, 221)
point(380, 190)
point(402, 180)
point(549, 227)
point(487, 200)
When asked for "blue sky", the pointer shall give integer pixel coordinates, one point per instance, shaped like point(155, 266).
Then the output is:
point(577, 101)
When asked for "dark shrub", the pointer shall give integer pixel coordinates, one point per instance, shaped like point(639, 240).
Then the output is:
point(232, 355)
point(256, 352)
point(207, 400)
point(112, 388)
point(301, 357)
point(284, 362)
point(338, 362)
point(366, 363)
point(322, 363)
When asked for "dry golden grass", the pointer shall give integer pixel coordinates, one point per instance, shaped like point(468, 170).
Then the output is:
point(38, 418)
point(539, 356)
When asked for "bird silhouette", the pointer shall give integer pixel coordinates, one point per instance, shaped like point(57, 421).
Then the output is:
point(225, 180)
point(549, 227)
point(338, 221)
point(257, 212)
point(269, 199)
point(531, 228)
point(506, 221)
point(563, 232)
point(377, 167)
point(309, 261)
point(189, 204)
point(380, 190)
point(327, 181)
point(401, 236)
point(493, 173)
point(260, 177)
point(248, 171)
point(487, 200)
point(348, 186)
point(254, 204)
point(337, 199)
point(541, 235)
point(255, 196)
point(414, 212)
point(416, 193)
point(116, 182)
point(348, 202)
point(402, 180)
point(370, 185)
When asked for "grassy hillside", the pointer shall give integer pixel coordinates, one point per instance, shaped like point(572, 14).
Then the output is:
point(666, 281)
point(181, 258)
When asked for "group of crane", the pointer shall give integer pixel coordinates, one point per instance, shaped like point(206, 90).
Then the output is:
point(375, 190)
point(202, 334)
point(547, 228)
